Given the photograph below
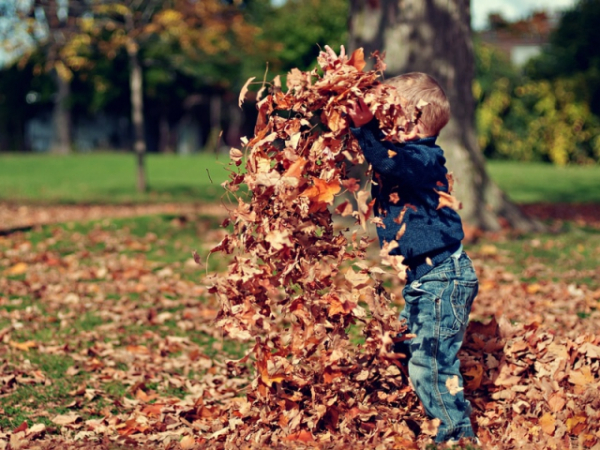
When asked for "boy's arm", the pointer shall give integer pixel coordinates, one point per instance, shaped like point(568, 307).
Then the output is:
point(413, 165)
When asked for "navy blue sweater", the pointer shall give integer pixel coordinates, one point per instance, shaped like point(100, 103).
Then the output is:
point(409, 178)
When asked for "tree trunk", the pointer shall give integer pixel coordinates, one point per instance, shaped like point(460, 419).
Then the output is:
point(61, 116)
point(164, 135)
point(137, 113)
point(434, 37)
point(234, 133)
point(214, 136)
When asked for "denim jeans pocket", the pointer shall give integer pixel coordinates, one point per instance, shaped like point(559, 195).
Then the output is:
point(455, 318)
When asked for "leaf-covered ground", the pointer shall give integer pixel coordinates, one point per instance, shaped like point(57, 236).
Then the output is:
point(108, 338)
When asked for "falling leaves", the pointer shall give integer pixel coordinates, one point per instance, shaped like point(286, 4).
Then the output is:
point(285, 289)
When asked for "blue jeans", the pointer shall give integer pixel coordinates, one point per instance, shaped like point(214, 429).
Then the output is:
point(437, 311)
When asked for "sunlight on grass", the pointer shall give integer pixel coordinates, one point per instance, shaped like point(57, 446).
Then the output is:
point(538, 182)
point(110, 178)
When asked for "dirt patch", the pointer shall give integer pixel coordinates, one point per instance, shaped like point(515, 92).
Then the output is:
point(18, 217)
point(584, 214)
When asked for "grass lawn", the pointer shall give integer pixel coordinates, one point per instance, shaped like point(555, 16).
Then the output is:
point(110, 178)
point(538, 182)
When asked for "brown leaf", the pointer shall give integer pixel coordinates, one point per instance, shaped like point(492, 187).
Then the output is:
point(244, 91)
point(447, 200)
point(358, 59)
point(66, 419)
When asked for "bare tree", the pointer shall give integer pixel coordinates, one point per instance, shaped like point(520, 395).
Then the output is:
point(434, 36)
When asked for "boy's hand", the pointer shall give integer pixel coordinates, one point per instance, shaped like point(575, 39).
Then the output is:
point(360, 113)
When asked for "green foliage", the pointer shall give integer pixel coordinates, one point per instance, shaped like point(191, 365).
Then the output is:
point(296, 29)
point(528, 119)
point(574, 53)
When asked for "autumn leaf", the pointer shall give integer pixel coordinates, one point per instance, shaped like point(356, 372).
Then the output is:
point(18, 269)
point(474, 376)
point(453, 386)
point(296, 169)
point(547, 422)
point(357, 59)
point(352, 185)
point(235, 154)
point(300, 436)
point(582, 377)
point(66, 419)
point(244, 91)
point(24, 346)
point(447, 200)
point(574, 423)
point(322, 192)
point(430, 427)
point(187, 442)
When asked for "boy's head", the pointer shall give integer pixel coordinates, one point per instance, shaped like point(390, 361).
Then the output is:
point(417, 86)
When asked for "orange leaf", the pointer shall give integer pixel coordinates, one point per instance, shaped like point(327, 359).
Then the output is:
point(573, 422)
point(358, 59)
point(302, 436)
point(24, 346)
point(187, 442)
point(153, 410)
point(137, 349)
point(548, 423)
point(142, 396)
point(296, 168)
point(18, 269)
point(322, 193)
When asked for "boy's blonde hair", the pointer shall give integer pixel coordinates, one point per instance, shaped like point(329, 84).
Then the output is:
point(416, 86)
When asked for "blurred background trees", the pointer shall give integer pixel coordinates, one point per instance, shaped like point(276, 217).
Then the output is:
point(81, 76)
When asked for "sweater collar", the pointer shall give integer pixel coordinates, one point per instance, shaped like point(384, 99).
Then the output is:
point(429, 141)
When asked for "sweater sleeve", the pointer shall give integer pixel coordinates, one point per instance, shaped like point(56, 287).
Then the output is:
point(416, 165)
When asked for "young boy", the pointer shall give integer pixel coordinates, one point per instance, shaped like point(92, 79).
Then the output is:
point(441, 281)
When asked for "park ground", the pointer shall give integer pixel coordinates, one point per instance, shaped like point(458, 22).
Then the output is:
point(107, 325)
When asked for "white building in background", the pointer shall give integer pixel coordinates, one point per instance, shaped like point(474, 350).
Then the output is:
point(520, 40)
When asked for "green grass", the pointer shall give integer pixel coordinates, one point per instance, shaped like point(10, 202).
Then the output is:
point(538, 182)
point(110, 178)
